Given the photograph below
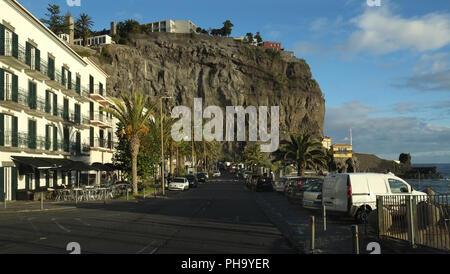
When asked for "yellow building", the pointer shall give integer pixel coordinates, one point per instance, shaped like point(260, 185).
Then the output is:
point(326, 142)
point(342, 151)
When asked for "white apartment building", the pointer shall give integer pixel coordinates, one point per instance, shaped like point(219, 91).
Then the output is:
point(50, 101)
point(95, 41)
point(173, 26)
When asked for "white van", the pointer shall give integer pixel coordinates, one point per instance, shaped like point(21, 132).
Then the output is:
point(356, 193)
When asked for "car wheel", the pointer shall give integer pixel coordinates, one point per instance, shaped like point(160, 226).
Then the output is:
point(362, 216)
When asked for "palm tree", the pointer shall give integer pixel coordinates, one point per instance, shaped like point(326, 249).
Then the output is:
point(302, 151)
point(134, 114)
point(253, 156)
point(83, 26)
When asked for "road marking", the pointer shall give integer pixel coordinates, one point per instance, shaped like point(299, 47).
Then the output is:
point(83, 222)
point(154, 250)
point(60, 226)
point(147, 246)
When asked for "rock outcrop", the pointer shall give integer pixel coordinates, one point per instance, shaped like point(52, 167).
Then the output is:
point(222, 71)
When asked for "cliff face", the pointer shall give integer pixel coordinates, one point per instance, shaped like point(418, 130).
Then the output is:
point(221, 71)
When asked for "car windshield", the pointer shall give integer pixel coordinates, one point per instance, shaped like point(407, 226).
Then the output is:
point(178, 180)
point(315, 187)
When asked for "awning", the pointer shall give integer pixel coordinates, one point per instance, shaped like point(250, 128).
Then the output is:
point(102, 167)
point(76, 166)
point(27, 165)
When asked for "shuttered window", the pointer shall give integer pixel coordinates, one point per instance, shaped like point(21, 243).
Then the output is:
point(31, 134)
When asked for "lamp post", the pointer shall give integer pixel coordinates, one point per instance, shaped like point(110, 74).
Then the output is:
point(162, 147)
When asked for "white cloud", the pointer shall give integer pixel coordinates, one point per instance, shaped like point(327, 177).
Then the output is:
point(380, 31)
point(389, 135)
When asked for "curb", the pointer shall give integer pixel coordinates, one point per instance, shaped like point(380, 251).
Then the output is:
point(36, 210)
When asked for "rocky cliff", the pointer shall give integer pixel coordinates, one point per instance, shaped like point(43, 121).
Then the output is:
point(222, 71)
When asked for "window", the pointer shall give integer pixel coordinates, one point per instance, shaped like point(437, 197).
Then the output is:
point(51, 68)
point(31, 134)
point(8, 131)
point(48, 101)
point(32, 95)
point(9, 86)
point(91, 84)
point(8, 42)
point(48, 137)
point(398, 187)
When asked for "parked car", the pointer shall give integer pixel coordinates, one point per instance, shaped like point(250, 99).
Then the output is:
point(263, 184)
point(296, 185)
point(202, 178)
point(280, 185)
point(312, 195)
point(216, 173)
point(246, 174)
point(252, 180)
point(179, 183)
point(355, 194)
point(193, 182)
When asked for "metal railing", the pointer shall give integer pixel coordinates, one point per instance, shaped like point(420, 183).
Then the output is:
point(420, 220)
point(9, 51)
point(104, 143)
point(24, 140)
point(20, 97)
point(101, 117)
point(92, 193)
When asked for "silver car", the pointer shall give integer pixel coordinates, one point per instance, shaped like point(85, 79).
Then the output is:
point(312, 195)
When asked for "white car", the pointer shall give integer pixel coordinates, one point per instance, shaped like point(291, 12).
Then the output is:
point(217, 173)
point(179, 184)
point(312, 195)
point(356, 193)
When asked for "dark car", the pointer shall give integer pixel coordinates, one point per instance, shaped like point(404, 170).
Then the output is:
point(253, 181)
point(202, 178)
point(264, 184)
point(193, 182)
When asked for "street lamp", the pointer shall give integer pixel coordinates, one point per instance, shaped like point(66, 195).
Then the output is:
point(162, 148)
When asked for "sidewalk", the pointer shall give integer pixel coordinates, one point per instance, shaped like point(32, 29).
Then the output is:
point(31, 206)
point(295, 223)
point(35, 206)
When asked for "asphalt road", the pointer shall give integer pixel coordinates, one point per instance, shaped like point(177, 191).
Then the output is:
point(218, 218)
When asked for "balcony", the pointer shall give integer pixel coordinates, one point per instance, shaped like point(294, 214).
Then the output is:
point(38, 72)
point(77, 120)
point(15, 100)
point(101, 120)
point(14, 57)
point(24, 142)
point(55, 79)
point(36, 106)
point(99, 95)
point(103, 145)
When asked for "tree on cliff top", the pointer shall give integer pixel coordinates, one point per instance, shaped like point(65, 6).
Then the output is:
point(55, 21)
point(227, 28)
point(83, 27)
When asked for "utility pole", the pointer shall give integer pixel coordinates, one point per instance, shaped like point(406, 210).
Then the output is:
point(192, 140)
point(162, 148)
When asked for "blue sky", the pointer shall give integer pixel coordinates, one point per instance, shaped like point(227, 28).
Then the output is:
point(385, 71)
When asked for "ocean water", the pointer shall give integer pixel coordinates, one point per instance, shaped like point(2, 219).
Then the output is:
point(439, 186)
